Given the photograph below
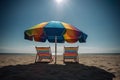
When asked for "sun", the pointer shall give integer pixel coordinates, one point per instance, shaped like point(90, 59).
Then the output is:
point(59, 1)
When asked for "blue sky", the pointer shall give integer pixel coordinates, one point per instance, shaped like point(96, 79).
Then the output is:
point(100, 19)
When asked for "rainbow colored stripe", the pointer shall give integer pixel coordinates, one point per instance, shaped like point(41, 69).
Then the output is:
point(49, 30)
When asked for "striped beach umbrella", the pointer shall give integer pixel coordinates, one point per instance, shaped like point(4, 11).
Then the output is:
point(55, 32)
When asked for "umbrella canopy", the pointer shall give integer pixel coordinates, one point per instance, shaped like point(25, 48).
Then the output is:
point(49, 30)
point(55, 32)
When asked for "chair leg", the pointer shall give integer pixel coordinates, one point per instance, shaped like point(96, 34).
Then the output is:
point(40, 59)
point(51, 59)
point(35, 58)
point(75, 59)
point(78, 59)
point(63, 59)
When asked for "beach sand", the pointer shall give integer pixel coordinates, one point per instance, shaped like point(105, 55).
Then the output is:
point(90, 67)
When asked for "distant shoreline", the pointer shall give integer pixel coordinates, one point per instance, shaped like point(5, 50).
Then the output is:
point(61, 54)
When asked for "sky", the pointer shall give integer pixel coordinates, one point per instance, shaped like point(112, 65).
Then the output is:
point(99, 19)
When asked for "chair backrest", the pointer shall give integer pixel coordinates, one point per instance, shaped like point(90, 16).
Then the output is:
point(71, 49)
point(43, 50)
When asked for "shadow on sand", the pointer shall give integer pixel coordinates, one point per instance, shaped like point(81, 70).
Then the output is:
point(44, 71)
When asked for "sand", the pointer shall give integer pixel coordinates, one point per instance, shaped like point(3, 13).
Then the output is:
point(90, 67)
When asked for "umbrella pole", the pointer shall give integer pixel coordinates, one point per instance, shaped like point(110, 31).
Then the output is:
point(55, 49)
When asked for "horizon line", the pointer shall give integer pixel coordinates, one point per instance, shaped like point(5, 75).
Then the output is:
point(61, 54)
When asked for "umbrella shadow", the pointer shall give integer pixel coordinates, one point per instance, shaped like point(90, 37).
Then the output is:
point(44, 71)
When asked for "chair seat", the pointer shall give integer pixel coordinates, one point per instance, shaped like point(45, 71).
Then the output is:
point(45, 57)
point(70, 54)
point(44, 54)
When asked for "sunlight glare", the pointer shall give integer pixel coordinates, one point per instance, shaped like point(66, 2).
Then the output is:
point(59, 1)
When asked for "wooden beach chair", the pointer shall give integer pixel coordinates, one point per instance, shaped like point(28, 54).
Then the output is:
point(43, 53)
point(71, 53)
